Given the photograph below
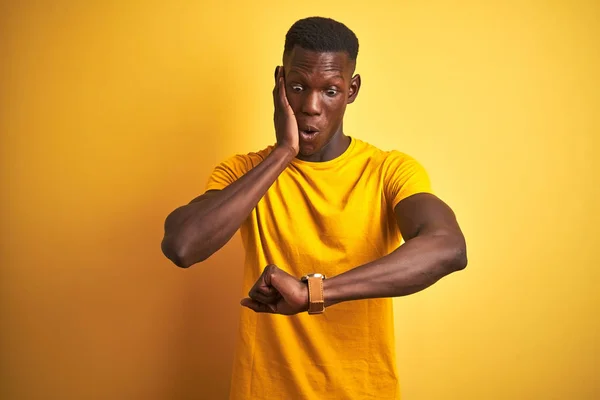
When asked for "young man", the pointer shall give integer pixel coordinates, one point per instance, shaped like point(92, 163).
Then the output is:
point(322, 217)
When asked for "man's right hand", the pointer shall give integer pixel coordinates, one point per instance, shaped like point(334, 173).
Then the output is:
point(195, 231)
point(286, 126)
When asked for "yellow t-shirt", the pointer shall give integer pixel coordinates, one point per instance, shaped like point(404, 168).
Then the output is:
point(326, 217)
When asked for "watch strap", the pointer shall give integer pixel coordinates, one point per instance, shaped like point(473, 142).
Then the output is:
point(316, 301)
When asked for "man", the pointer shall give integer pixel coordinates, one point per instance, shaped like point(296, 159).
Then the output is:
point(318, 203)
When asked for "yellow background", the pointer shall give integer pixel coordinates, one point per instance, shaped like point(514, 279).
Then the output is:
point(114, 113)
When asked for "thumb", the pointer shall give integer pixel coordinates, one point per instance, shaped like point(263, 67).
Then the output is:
point(271, 272)
point(271, 278)
point(282, 282)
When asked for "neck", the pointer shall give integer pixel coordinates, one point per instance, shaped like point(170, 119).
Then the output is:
point(333, 149)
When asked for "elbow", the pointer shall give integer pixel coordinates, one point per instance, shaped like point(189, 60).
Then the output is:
point(174, 252)
point(179, 253)
point(453, 253)
point(457, 259)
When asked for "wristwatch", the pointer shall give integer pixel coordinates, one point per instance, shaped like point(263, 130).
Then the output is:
point(316, 301)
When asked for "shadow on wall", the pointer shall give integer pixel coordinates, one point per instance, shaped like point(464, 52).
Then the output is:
point(110, 141)
point(202, 318)
point(206, 319)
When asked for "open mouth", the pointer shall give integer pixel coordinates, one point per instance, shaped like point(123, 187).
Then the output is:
point(308, 132)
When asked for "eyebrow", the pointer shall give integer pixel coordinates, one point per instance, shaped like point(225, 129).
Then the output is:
point(338, 75)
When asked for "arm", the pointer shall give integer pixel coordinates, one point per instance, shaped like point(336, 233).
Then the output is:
point(195, 231)
point(434, 247)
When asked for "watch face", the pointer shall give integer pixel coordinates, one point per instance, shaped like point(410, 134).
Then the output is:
point(305, 277)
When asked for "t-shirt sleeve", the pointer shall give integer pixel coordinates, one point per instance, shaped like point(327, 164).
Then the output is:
point(228, 172)
point(403, 177)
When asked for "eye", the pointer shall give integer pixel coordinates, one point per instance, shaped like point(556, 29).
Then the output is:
point(296, 88)
point(331, 92)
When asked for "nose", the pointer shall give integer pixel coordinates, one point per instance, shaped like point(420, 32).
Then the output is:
point(311, 103)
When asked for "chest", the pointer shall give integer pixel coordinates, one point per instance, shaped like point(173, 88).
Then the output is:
point(329, 222)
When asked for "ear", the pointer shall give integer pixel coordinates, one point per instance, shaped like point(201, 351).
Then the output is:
point(354, 88)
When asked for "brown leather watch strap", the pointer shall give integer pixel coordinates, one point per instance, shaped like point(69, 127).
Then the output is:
point(316, 301)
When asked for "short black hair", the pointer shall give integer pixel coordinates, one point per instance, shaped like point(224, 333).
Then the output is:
point(321, 35)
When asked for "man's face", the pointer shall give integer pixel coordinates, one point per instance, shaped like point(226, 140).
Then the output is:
point(318, 87)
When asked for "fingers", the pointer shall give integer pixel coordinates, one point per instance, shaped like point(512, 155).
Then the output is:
point(267, 290)
point(276, 90)
point(257, 306)
point(264, 298)
point(278, 75)
point(282, 93)
point(277, 292)
point(262, 290)
point(279, 93)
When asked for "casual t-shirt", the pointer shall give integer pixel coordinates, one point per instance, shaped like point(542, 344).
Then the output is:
point(326, 217)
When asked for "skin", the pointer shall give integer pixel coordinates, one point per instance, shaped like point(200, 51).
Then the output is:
point(312, 90)
point(195, 231)
point(434, 247)
point(319, 86)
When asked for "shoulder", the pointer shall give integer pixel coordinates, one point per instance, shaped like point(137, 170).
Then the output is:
point(234, 167)
point(256, 157)
point(248, 160)
point(385, 159)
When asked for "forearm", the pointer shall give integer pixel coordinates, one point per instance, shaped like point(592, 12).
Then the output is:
point(414, 266)
point(195, 231)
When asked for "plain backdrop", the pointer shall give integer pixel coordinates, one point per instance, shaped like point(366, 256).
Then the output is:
point(113, 113)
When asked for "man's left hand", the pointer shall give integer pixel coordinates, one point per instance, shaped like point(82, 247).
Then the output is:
point(277, 292)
